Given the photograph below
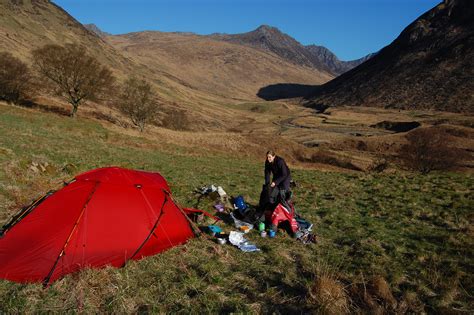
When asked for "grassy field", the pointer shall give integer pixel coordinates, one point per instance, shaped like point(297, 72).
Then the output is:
point(393, 243)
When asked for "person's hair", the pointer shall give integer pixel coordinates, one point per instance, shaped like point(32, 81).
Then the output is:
point(272, 153)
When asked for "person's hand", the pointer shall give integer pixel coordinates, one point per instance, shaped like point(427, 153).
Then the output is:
point(272, 185)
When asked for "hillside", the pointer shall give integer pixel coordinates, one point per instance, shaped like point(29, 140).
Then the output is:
point(429, 66)
point(26, 25)
point(197, 78)
point(226, 69)
point(271, 39)
point(29, 24)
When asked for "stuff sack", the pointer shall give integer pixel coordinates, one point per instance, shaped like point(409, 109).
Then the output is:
point(240, 205)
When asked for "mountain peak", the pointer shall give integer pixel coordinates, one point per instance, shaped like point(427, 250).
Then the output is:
point(268, 30)
point(96, 30)
point(265, 27)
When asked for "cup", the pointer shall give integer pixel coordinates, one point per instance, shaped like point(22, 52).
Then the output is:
point(261, 226)
point(271, 233)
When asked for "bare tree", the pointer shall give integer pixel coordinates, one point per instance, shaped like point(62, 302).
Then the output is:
point(138, 102)
point(15, 78)
point(73, 73)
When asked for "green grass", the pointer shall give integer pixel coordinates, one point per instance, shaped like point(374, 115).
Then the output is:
point(414, 231)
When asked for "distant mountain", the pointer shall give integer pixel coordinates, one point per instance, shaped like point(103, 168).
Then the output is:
point(271, 39)
point(224, 68)
point(429, 66)
point(93, 28)
point(327, 57)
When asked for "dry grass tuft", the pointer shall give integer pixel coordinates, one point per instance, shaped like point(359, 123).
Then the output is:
point(329, 295)
point(375, 296)
point(379, 287)
point(411, 304)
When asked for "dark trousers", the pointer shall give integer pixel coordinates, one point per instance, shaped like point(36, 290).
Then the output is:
point(270, 197)
point(284, 197)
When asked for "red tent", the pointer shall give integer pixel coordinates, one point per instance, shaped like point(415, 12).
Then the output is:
point(103, 217)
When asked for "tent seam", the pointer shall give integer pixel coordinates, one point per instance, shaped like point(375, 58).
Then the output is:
point(151, 231)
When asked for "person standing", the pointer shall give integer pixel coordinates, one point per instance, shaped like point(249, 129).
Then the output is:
point(279, 185)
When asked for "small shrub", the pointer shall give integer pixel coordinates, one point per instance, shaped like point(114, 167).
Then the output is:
point(378, 165)
point(15, 78)
point(176, 119)
point(428, 150)
point(361, 146)
point(458, 132)
point(258, 109)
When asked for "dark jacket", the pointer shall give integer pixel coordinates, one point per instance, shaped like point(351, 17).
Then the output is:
point(280, 171)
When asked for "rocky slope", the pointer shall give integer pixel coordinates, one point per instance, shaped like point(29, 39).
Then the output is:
point(429, 66)
point(96, 30)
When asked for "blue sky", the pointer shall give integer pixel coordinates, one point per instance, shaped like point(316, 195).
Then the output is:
point(351, 28)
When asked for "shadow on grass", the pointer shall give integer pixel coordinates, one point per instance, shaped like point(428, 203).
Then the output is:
point(44, 107)
point(287, 299)
point(292, 90)
point(286, 90)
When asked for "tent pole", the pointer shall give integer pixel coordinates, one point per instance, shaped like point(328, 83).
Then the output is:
point(76, 224)
point(194, 227)
point(151, 232)
point(27, 210)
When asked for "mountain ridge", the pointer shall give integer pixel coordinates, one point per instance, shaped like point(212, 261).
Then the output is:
point(271, 39)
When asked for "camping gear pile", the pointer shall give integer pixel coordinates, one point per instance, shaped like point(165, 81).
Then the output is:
point(109, 216)
point(216, 193)
point(271, 212)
